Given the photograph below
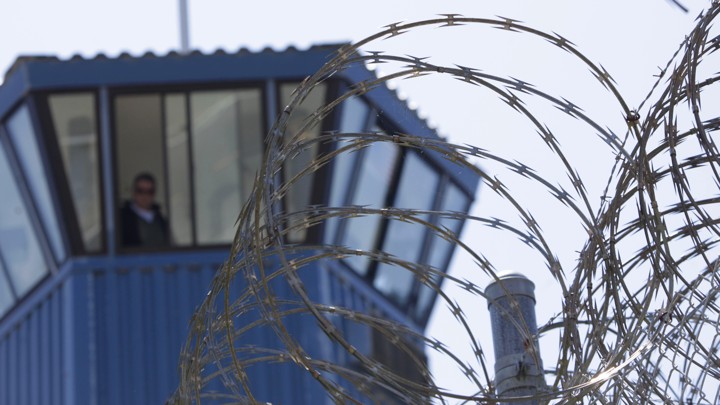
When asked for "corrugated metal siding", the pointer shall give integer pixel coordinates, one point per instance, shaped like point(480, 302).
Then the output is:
point(141, 317)
point(114, 335)
point(31, 357)
point(282, 383)
point(141, 322)
point(346, 290)
point(103, 336)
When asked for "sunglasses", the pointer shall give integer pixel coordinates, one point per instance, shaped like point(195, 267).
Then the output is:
point(146, 191)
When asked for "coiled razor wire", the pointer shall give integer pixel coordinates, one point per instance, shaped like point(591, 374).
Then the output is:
point(639, 319)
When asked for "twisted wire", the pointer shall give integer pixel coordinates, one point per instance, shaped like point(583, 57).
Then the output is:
point(638, 319)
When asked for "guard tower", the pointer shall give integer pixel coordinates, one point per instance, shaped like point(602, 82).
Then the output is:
point(86, 320)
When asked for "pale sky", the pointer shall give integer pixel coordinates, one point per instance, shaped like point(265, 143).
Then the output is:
point(629, 38)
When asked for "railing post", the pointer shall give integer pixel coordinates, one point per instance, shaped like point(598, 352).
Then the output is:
point(518, 366)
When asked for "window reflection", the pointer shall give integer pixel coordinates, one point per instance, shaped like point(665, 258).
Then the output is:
point(421, 186)
point(227, 151)
point(25, 141)
point(404, 240)
point(299, 196)
point(453, 199)
point(73, 117)
point(354, 115)
point(203, 150)
point(19, 245)
point(373, 182)
point(353, 119)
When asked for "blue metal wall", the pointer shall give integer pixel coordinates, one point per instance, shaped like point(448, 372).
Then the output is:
point(33, 364)
point(105, 334)
point(110, 331)
point(140, 317)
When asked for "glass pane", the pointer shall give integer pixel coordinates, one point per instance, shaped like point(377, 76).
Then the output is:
point(299, 196)
point(373, 182)
point(75, 126)
point(140, 149)
point(440, 249)
point(24, 138)
point(405, 240)
point(227, 152)
point(19, 245)
point(353, 120)
point(178, 155)
point(138, 127)
point(354, 115)
point(6, 297)
point(452, 200)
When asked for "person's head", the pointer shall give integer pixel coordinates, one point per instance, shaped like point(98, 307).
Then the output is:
point(144, 190)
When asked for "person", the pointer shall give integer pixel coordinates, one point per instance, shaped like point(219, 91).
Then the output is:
point(142, 224)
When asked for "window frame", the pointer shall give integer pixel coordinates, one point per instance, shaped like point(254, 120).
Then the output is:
point(65, 198)
point(445, 182)
point(320, 193)
point(185, 89)
point(25, 191)
point(426, 238)
point(354, 170)
point(376, 119)
point(26, 198)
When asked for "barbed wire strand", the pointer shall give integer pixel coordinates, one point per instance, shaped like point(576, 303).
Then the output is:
point(639, 319)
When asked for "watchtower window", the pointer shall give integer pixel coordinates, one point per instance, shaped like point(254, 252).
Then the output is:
point(227, 152)
point(74, 122)
point(439, 249)
point(203, 149)
point(22, 262)
point(374, 177)
point(354, 117)
point(27, 147)
point(385, 175)
point(405, 240)
point(300, 194)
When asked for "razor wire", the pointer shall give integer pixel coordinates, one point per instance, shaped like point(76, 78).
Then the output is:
point(638, 320)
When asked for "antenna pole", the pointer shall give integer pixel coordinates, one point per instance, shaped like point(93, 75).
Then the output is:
point(184, 29)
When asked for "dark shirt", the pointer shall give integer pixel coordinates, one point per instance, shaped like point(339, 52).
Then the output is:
point(135, 231)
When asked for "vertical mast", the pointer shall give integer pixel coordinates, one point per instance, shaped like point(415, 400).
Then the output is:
point(184, 29)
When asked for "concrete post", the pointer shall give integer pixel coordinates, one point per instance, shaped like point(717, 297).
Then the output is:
point(518, 366)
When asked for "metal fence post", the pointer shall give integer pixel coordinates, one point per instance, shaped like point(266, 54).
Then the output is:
point(518, 366)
